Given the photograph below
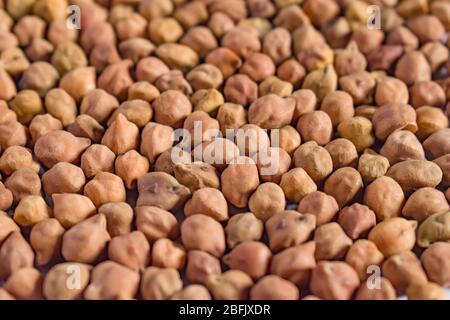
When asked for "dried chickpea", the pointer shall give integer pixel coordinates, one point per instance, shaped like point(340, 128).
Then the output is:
point(426, 291)
point(267, 200)
point(273, 287)
point(425, 202)
point(168, 254)
point(70, 208)
point(435, 228)
point(23, 182)
point(438, 143)
point(15, 254)
point(16, 157)
point(131, 250)
point(207, 201)
point(435, 260)
point(63, 178)
point(97, 158)
point(296, 184)
point(429, 121)
point(243, 227)
point(25, 284)
point(230, 285)
point(119, 216)
point(192, 292)
point(26, 104)
point(344, 185)
point(55, 282)
point(272, 112)
point(105, 187)
point(31, 210)
point(155, 139)
point(240, 89)
point(6, 198)
point(357, 220)
point(343, 153)
point(362, 255)
point(385, 291)
point(331, 242)
point(61, 106)
point(79, 82)
point(40, 77)
point(427, 93)
point(67, 57)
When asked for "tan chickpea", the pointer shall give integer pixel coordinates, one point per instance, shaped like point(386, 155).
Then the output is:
point(168, 254)
point(26, 104)
point(116, 79)
point(292, 72)
point(150, 69)
point(39, 50)
point(45, 239)
point(8, 90)
point(326, 78)
point(191, 14)
point(192, 292)
point(97, 158)
point(331, 242)
point(434, 228)
point(165, 161)
point(218, 152)
point(119, 216)
point(243, 227)
point(122, 135)
point(15, 254)
point(23, 182)
point(427, 93)
point(362, 255)
point(105, 187)
point(291, 17)
point(43, 124)
point(159, 283)
point(208, 100)
point(403, 269)
point(63, 178)
point(98, 32)
point(104, 54)
point(67, 57)
point(61, 106)
point(12, 133)
point(70, 209)
point(196, 229)
point(31, 210)
point(426, 291)
point(197, 175)
point(344, 185)
point(296, 184)
point(6, 114)
point(86, 126)
point(171, 108)
point(349, 60)
point(173, 80)
point(436, 54)
point(220, 23)
point(55, 282)
point(156, 138)
point(230, 285)
point(6, 198)
point(207, 201)
point(385, 292)
point(201, 265)
point(307, 37)
point(79, 82)
point(131, 250)
point(315, 126)
point(110, 280)
point(343, 153)
point(358, 130)
point(130, 167)
point(272, 112)
point(201, 39)
point(429, 121)
point(425, 202)
point(295, 229)
point(177, 56)
point(413, 67)
point(58, 32)
point(151, 9)
point(86, 241)
point(40, 77)
point(205, 76)
point(16, 157)
point(142, 90)
point(314, 159)
point(243, 40)
point(25, 284)
point(273, 287)
point(334, 280)
point(394, 235)
point(339, 106)
point(438, 143)
point(28, 28)
point(390, 89)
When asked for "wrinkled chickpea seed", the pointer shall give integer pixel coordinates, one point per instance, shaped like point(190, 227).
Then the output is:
point(354, 122)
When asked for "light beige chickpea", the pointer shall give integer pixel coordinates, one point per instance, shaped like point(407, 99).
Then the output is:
point(295, 229)
point(122, 135)
point(425, 202)
point(197, 231)
point(79, 82)
point(207, 201)
point(331, 242)
point(137, 111)
point(15, 254)
point(23, 182)
point(191, 14)
point(70, 209)
point(58, 32)
point(156, 138)
point(296, 184)
point(205, 76)
point(385, 197)
point(243, 227)
point(230, 285)
point(267, 200)
point(315, 126)
point(97, 158)
point(86, 126)
point(150, 69)
point(362, 255)
point(15, 62)
point(177, 56)
point(334, 280)
point(116, 79)
point(151, 9)
point(394, 235)
point(208, 100)
point(26, 104)
point(165, 161)
point(326, 78)
point(357, 220)
point(289, 139)
point(16, 157)
point(143, 90)
point(110, 280)
point(415, 174)
point(159, 283)
point(25, 284)
point(273, 85)
point(119, 216)
point(314, 159)
point(245, 171)
point(435, 228)
point(61, 106)
point(6, 114)
point(12, 133)
point(192, 292)
point(426, 291)
point(403, 269)
point(131, 26)
point(372, 166)
point(435, 260)
point(197, 175)
point(131, 250)
point(385, 292)
point(63, 178)
point(344, 185)
point(390, 89)
point(402, 145)
point(86, 241)
point(28, 28)
point(164, 30)
point(273, 287)
point(225, 60)
point(67, 57)
point(220, 23)
point(429, 121)
point(105, 187)
point(40, 77)
point(240, 89)
point(339, 106)
point(201, 265)
point(55, 282)
point(31, 210)
point(359, 131)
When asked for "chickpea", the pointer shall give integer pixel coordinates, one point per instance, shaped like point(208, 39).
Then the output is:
point(425, 202)
point(15, 254)
point(243, 40)
point(119, 216)
point(394, 235)
point(444, 163)
point(385, 292)
point(131, 250)
point(26, 104)
point(334, 280)
point(272, 287)
point(150, 69)
point(404, 269)
point(220, 23)
point(192, 292)
point(240, 89)
point(295, 229)
point(362, 255)
point(438, 144)
point(31, 210)
point(16, 157)
point(8, 226)
point(296, 184)
point(197, 175)
point(200, 266)
point(159, 284)
point(291, 71)
point(207, 201)
point(356, 220)
point(40, 77)
point(23, 182)
point(105, 187)
point(143, 91)
point(156, 138)
point(413, 67)
point(25, 284)
point(61, 106)
point(272, 112)
point(70, 209)
point(63, 178)
point(55, 282)
point(86, 126)
point(321, 81)
point(79, 82)
point(97, 158)
point(230, 285)
point(277, 44)
point(429, 121)
point(331, 242)
point(435, 260)
point(434, 228)
point(344, 185)
point(427, 93)
point(6, 198)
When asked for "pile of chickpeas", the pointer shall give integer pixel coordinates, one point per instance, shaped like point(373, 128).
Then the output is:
point(94, 206)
